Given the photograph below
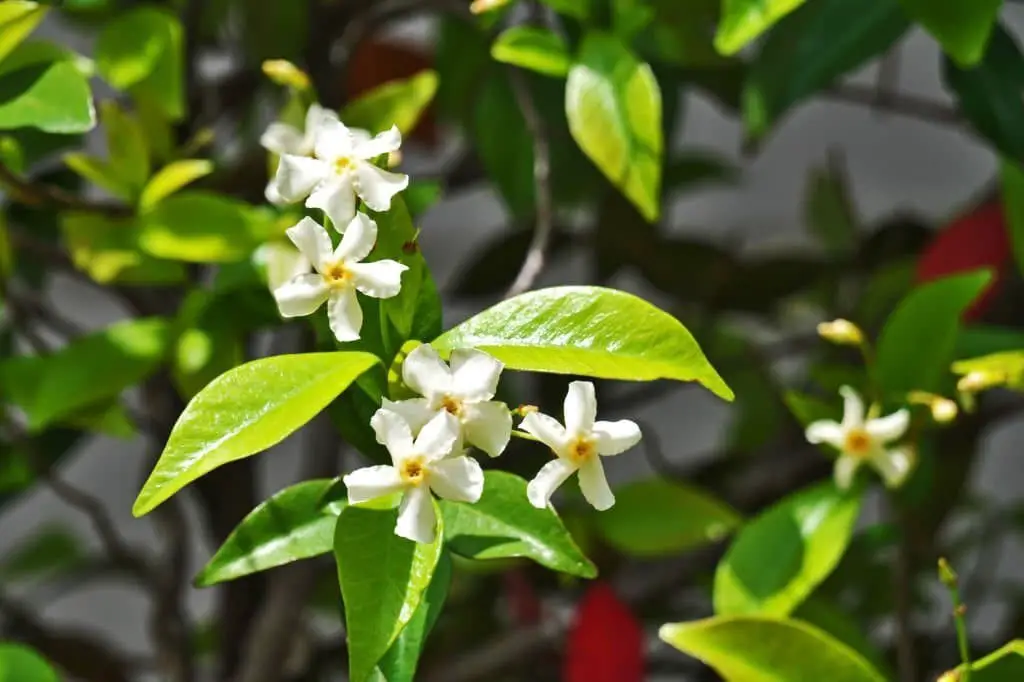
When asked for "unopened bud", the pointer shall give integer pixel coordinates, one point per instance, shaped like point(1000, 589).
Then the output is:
point(944, 410)
point(283, 72)
point(524, 410)
point(841, 332)
point(946, 573)
point(960, 611)
point(481, 6)
point(950, 676)
point(394, 158)
point(972, 382)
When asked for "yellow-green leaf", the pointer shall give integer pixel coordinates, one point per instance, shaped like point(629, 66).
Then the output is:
point(171, 178)
point(744, 20)
point(53, 97)
point(99, 172)
point(17, 20)
point(536, 49)
point(962, 27)
point(21, 664)
point(399, 102)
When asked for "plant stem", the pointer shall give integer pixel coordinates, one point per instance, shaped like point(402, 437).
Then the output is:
point(950, 579)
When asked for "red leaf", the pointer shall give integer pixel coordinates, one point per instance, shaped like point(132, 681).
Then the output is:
point(606, 642)
point(976, 240)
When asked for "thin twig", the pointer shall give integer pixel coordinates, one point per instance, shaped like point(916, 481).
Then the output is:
point(903, 585)
point(919, 108)
point(32, 193)
point(536, 255)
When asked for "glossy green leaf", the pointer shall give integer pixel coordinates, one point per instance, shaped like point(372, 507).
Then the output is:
point(99, 172)
point(18, 19)
point(744, 20)
point(613, 104)
point(21, 664)
point(399, 663)
point(988, 93)
point(126, 146)
point(400, 103)
point(1012, 175)
point(245, 411)
point(916, 344)
point(765, 649)
point(591, 331)
point(171, 178)
point(1003, 665)
point(813, 47)
point(383, 579)
point(86, 371)
point(536, 49)
point(53, 97)
point(805, 535)
point(504, 524)
point(835, 620)
point(686, 518)
point(962, 28)
point(51, 549)
point(199, 227)
point(288, 526)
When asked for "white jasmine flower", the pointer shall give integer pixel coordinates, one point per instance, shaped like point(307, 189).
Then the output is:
point(859, 440)
point(578, 446)
point(283, 138)
point(340, 170)
point(464, 389)
point(339, 274)
point(418, 467)
point(282, 262)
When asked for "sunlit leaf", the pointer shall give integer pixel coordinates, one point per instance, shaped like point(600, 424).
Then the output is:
point(400, 103)
point(536, 49)
point(53, 97)
point(171, 178)
point(18, 19)
point(962, 28)
point(200, 227)
point(744, 20)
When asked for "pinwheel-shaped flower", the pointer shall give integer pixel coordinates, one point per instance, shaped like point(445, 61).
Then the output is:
point(417, 467)
point(339, 274)
point(578, 446)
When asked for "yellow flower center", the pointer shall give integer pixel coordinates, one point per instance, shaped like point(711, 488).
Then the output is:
point(412, 471)
point(452, 405)
point(342, 164)
point(858, 443)
point(581, 449)
point(336, 274)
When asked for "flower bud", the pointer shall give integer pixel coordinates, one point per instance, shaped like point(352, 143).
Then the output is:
point(944, 410)
point(481, 6)
point(946, 573)
point(283, 72)
point(950, 676)
point(394, 158)
point(841, 332)
point(524, 410)
point(976, 381)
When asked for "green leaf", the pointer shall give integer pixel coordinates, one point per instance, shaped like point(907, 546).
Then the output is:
point(577, 9)
point(107, 249)
point(504, 524)
point(686, 518)
point(808, 408)
point(962, 28)
point(288, 526)
point(383, 579)
point(813, 47)
point(744, 20)
point(536, 49)
point(53, 97)
point(200, 227)
point(1013, 207)
point(244, 411)
point(765, 649)
point(613, 104)
point(829, 211)
point(805, 535)
point(171, 178)
point(831, 618)
point(591, 331)
point(399, 102)
point(142, 50)
point(988, 93)
point(126, 147)
point(1005, 368)
point(399, 663)
point(1003, 665)
point(51, 549)
point(917, 342)
point(17, 20)
point(99, 172)
point(20, 664)
point(90, 369)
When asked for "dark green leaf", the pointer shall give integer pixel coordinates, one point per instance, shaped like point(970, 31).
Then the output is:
point(962, 28)
point(1013, 207)
point(51, 549)
point(536, 49)
point(53, 97)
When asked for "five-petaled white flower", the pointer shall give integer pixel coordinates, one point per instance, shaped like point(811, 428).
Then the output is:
point(284, 138)
point(465, 390)
point(418, 467)
point(578, 446)
point(282, 262)
point(862, 440)
point(339, 274)
point(340, 169)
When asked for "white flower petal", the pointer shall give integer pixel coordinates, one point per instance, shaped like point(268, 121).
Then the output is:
point(336, 197)
point(547, 430)
point(282, 138)
point(416, 518)
point(301, 295)
point(888, 429)
point(825, 431)
point(425, 372)
point(459, 479)
point(380, 279)
point(369, 483)
point(383, 143)
point(475, 374)
point(316, 116)
point(359, 136)
point(594, 485)
point(844, 471)
point(415, 411)
point(297, 176)
point(272, 195)
point(853, 407)
point(333, 140)
point(282, 262)
point(615, 437)
point(360, 235)
point(393, 432)
point(344, 314)
point(894, 465)
point(377, 186)
point(547, 480)
point(437, 437)
point(580, 408)
point(487, 426)
point(312, 240)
